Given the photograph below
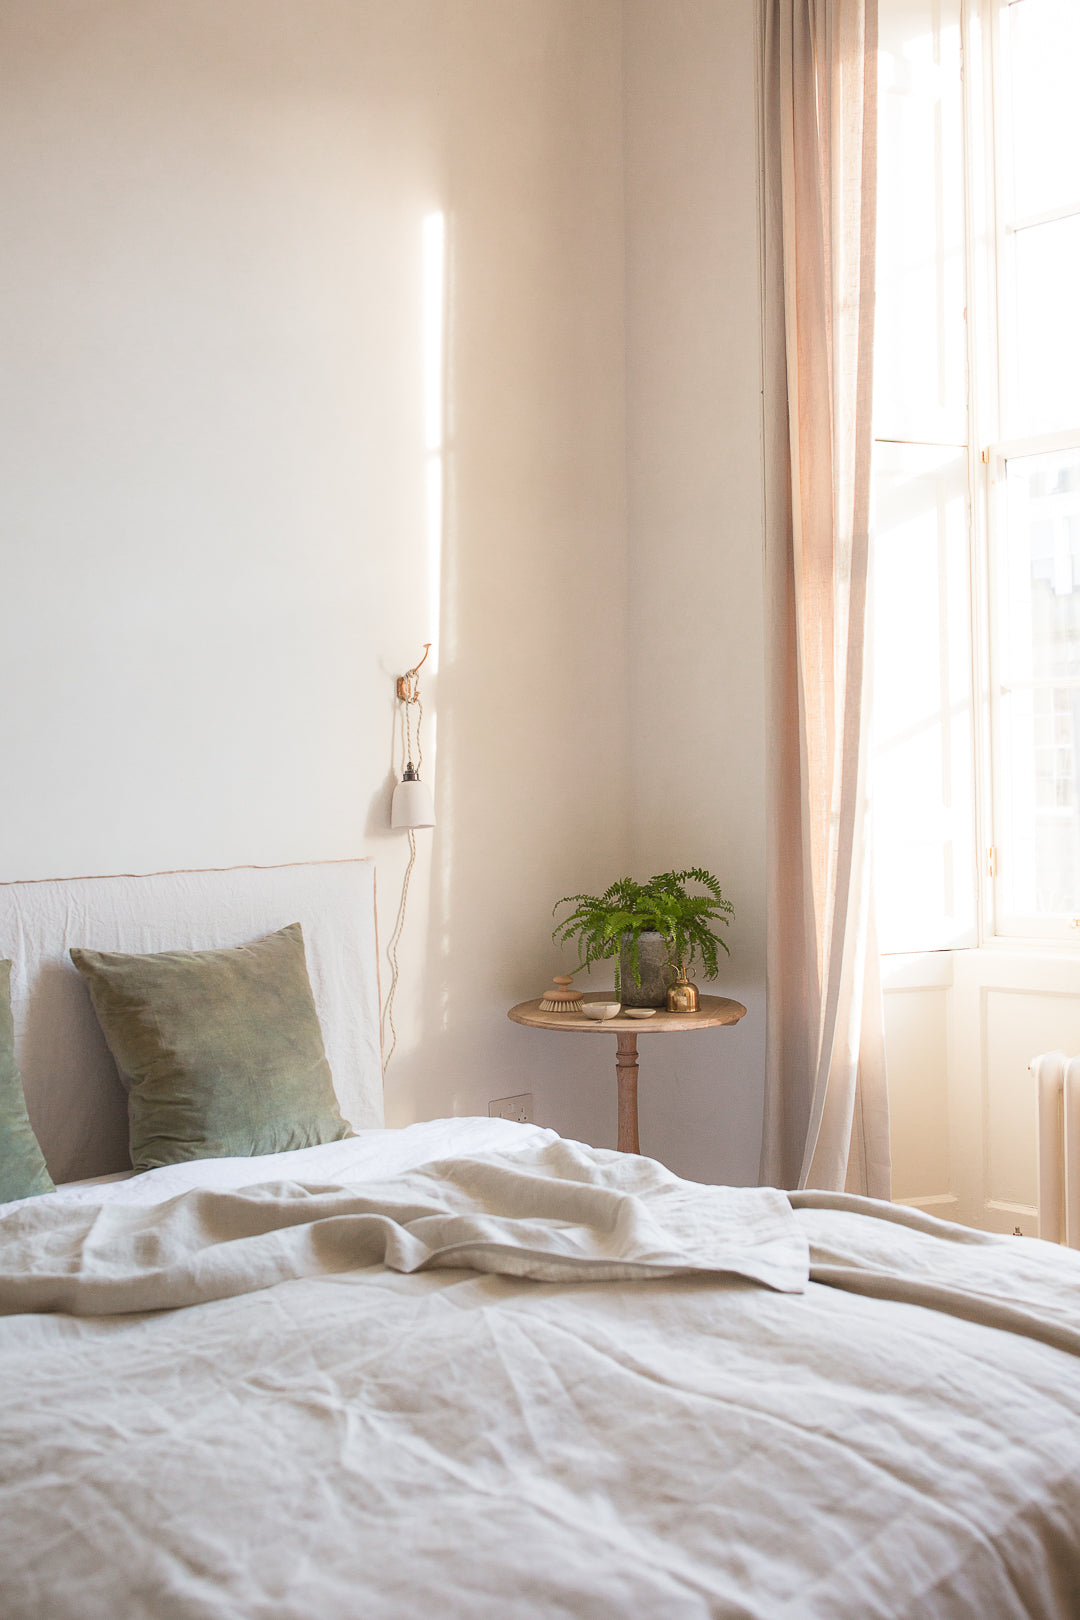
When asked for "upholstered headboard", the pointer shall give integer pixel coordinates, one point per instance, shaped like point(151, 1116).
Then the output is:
point(76, 1102)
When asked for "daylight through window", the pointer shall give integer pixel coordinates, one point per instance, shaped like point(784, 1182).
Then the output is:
point(977, 472)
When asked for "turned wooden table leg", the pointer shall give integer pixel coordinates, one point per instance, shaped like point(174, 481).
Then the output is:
point(626, 1073)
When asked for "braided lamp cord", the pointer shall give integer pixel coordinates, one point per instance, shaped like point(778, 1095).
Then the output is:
point(410, 691)
point(391, 953)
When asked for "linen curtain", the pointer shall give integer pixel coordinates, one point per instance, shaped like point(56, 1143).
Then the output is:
point(826, 1112)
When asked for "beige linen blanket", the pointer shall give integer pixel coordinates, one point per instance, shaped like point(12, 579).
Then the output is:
point(897, 1438)
point(557, 1212)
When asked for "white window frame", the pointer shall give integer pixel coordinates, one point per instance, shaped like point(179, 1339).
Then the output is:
point(979, 122)
point(1019, 927)
point(990, 365)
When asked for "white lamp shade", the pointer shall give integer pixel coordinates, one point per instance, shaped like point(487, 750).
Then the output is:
point(412, 806)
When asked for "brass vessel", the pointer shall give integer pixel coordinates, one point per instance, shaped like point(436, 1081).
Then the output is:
point(683, 997)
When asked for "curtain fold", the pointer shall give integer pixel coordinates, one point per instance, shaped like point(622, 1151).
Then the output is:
point(826, 1113)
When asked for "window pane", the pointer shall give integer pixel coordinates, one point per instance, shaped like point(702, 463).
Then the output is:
point(1041, 50)
point(1038, 583)
point(920, 343)
point(922, 743)
point(1040, 867)
point(1039, 569)
point(1046, 322)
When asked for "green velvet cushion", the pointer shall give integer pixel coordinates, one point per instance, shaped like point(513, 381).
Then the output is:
point(221, 1050)
point(22, 1163)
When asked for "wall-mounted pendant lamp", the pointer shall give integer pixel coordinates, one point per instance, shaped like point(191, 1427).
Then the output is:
point(412, 804)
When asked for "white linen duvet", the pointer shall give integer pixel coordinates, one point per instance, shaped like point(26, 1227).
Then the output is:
point(469, 1370)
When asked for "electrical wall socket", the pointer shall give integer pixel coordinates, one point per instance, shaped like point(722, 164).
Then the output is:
point(519, 1108)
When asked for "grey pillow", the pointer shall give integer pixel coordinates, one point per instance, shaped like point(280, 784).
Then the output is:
point(221, 1051)
point(22, 1163)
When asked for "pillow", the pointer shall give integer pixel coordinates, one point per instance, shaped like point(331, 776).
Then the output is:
point(221, 1051)
point(22, 1163)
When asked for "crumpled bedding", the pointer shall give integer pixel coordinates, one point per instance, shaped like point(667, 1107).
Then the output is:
point(899, 1440)
point(554, 1212)
point(893, 1253)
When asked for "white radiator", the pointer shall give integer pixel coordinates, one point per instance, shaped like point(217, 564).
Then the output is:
point(1057, 1079)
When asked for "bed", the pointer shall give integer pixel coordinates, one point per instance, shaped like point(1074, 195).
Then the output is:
point(469, 1369)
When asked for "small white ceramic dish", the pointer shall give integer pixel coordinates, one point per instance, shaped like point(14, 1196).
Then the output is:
point(600, 1010)
point(639, 1012)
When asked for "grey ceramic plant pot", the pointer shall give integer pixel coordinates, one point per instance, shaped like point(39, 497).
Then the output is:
point(655, 969)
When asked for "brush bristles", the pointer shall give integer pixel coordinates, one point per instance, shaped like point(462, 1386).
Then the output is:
point(566, 1003)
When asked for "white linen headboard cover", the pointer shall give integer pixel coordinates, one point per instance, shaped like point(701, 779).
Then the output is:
point(76, 1103)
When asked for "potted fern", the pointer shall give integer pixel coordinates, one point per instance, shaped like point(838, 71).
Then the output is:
point(652, 931)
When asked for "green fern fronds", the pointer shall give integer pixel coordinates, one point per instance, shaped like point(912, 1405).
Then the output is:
point(627, 909)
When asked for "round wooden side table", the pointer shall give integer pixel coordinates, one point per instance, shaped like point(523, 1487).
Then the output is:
point(714, 1010)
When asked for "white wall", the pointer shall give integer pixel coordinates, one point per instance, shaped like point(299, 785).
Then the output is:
point(696, 686)
point(215, 528)
point(218, 535)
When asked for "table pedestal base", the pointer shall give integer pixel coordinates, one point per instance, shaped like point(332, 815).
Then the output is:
point(626, 1072)
point(713, 1011)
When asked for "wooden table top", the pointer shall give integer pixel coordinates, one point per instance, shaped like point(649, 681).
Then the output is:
point(714, 1010)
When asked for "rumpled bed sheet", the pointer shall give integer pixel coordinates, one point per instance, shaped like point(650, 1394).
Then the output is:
point(896, 1439)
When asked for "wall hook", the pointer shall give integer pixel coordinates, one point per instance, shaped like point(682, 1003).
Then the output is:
point(407, 689)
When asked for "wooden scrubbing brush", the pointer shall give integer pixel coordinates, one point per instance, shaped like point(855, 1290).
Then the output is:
point(560, 998)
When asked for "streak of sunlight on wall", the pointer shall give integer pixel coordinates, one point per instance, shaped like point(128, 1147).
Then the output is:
point(434, 318)
point(434, 260)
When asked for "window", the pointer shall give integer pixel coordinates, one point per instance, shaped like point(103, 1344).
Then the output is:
point(977, 473)
point(1035, 671)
